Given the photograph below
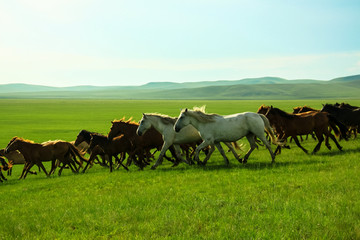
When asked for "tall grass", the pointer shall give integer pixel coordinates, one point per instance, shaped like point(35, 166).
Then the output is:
point(300, 196)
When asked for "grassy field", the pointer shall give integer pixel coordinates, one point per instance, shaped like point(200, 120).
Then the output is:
point(301, 196)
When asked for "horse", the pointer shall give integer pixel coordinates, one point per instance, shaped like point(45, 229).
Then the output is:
point(83, 138)
point(165, 125)
point(4, 166)
point(350, 116)
point(142, 144)
point(302, 110)
point(36, 153)
point(352, 129)
point(14, 158)
point(214, 128)
point(111, 148)
point(65, 153)
point(293, 125)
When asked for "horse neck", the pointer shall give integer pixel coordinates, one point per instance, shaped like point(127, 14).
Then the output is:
point(128, 130)
point(156, 122)
point(197, 124)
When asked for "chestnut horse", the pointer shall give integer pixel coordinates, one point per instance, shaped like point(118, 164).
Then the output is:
point(36, 153)
point(14, 158)
point(292, 125)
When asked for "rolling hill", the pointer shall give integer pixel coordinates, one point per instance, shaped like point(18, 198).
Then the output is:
point(251, 88)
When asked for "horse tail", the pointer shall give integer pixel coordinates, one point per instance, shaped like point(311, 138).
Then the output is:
point(74, 151)
point(335, 124)
point(269, 130)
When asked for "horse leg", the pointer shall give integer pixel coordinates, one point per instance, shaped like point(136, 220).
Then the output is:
point(320, 138)
point(231, 148)
point(110, 162)
point(29, 166)
point(198, 149)
point(299, 145)
point(335, 141)
point(26, 165)
point(165, 147)
point(268, 146)
point(211, 150)
point(251, 139)
point(221, 150)
point(120, 163)
point(40, 165)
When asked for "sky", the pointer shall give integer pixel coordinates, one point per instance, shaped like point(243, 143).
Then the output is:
point(133, 42)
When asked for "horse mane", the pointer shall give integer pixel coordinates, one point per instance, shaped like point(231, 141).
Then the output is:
point(281, 113)
point(21, 139)
point(199, 114)
point(98, 135)
point(130, 121)
point(166, 119)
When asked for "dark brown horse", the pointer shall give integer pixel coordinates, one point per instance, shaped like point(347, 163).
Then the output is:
point(111, 148)
point(353, 129)
point(14, 158)
point(142, 144)
point(293, 125)
point(36, 153)
point(84, 136)
point(302, 110)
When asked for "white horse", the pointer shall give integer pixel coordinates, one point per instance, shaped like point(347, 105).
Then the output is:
point(165, 125)
point(215, 128)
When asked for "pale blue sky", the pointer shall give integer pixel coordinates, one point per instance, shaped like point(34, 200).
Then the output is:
point(93, 42)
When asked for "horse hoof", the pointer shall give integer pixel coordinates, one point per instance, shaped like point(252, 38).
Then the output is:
point(244, 161)
point(153, 168)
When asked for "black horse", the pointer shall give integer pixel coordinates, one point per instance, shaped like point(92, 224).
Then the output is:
point(346, 115)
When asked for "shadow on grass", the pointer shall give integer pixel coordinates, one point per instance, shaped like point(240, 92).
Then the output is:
point(236, 165)
point(337, 152)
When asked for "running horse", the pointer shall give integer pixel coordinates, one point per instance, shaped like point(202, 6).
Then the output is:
point(214, 128)
point(165, 125)
point(142, 144)
point(292, 125)
point(36, 153)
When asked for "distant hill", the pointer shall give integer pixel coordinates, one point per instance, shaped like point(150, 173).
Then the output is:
point(250, 88)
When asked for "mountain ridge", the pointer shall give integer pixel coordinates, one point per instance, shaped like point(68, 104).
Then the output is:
point(248, 88)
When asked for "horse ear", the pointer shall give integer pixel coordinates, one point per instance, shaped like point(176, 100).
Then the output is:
point(186, 109)
point(323, 105)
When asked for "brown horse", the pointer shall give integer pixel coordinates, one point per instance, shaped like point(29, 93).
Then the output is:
point(293, 125)
point(83, 138)
point(14, 158)
point(36, 153)
point(65, 153)
point(142, 144)
point(302, 110)
point(111, 148)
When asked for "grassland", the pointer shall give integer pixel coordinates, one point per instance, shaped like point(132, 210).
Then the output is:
point(301, 196)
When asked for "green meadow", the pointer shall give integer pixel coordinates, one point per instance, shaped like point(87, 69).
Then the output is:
point(299, 197)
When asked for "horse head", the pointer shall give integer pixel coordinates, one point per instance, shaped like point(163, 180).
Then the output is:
point(182, 120)
point(12, 145)
point(144, 125)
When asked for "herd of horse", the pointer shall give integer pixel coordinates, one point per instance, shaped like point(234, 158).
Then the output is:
point(184, 136)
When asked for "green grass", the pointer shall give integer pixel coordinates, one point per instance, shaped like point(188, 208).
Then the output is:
point(301, 196)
